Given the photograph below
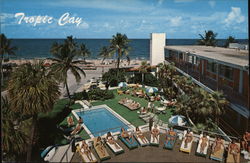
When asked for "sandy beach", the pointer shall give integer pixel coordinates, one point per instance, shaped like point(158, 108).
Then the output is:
point(101, 67)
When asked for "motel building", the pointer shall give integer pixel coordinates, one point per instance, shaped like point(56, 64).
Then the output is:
point(218, 69)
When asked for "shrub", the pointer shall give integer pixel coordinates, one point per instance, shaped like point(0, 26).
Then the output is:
point(98, 94)
point(80, 95)
point(149, 79)
point(112, 78)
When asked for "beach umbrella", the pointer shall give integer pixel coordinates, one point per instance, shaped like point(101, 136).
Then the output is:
point(152, 90)
point(122, 84)
point(48, 153)
point(177, 120)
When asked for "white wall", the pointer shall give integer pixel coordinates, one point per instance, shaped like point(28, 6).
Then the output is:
point(157, 44)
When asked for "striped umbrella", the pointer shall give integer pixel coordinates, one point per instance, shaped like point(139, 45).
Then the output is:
point(152, 90)
point(122, 84)
point(177, 120)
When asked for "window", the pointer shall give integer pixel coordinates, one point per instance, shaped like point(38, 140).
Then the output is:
point(226, 71)
point(212, 66)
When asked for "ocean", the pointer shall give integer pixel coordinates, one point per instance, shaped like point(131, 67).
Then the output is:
point(39, 48)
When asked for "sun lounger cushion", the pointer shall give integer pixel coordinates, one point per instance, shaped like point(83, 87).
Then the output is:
point(83, 155)
point(154, 141)
point(170, 144)
point(140, 141)
point(98, 151)
point(113, 148)
point(130, 145)
point(198, 151)
point(230, 158)
point(218, 156)
point(189, 145)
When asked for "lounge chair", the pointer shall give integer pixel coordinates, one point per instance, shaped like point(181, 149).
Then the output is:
point(83, 155)
point(189, 145)
point(87, 103)
point(98, 151)
point(155, 142)
point(198, 151)
point(170, 144)
point(142, 144)
point(218, 156)
point(113, 148)
point(128, 144)
point(230, 158)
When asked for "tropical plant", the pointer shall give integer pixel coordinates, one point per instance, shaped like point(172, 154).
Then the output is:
point(32, 90)
point(98, 94)
point(229, 40)
point(208, 39)
point(105, 52)
point(64, 61)
point(166, 74)
point(13, 139)
point(112, 78)
point(5, 48)
point(143, 69)
point(119, 46)
point(83, 51)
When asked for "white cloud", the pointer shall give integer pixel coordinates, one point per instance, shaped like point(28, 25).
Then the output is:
point(234, 16)
point(160, 2)
point(212, 4)
point(5, 16)
point(84, 25)
point(176, 21)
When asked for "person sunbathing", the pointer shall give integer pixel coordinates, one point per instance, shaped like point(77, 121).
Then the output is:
point(155, 132)
point(77, 129)
point(140, 135)
point(188, 138)
point(143, 110)
point(80, 120)
point(86, 150)
point(234, 150)
point(111, 140)
point(246, 142)
point(70, 121)
point(126, 135)
point(171, 134)
point(217, 145)
point(100, 144)
point(204, 142)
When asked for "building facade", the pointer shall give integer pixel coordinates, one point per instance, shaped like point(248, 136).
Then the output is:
point(157, 44)
point(220, 69)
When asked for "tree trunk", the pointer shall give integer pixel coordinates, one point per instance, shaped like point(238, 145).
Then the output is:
point(67, 88)
point(142, 78)
point(30, 145)
point(1, 66)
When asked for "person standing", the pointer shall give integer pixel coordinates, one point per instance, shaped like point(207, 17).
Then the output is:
point(151, 121)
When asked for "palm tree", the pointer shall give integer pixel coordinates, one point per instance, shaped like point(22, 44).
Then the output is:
point(209, 38)
point(105, 52)
point(83, 51)
point(13, 139)
point(32, 90)
point(143, 69)
point(119, 46)
point(63, 61)
point(5, 48)
point(229, 40)
point(219, 105)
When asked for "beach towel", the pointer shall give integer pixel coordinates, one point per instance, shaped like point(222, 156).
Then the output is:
point(230, 158)
point(83, 155)
point(113, 147)
point(198, 151)
point(131, 144)
point(218, 156)
point(154, 141)
point(170, 143)
point(98, 149)
point(189, 145)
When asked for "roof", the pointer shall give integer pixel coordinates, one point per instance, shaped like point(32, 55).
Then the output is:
point(232, 56)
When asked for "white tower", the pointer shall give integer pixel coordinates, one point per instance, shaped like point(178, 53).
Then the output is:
point(157, 44)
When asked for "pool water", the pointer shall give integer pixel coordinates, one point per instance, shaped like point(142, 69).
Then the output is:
point(100, 121)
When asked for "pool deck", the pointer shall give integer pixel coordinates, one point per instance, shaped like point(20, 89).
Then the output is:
point(153, 154)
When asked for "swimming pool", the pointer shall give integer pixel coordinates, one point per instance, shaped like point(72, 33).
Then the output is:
point(100, 120)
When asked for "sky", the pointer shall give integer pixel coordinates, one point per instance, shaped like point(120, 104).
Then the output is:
point(135, 18)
